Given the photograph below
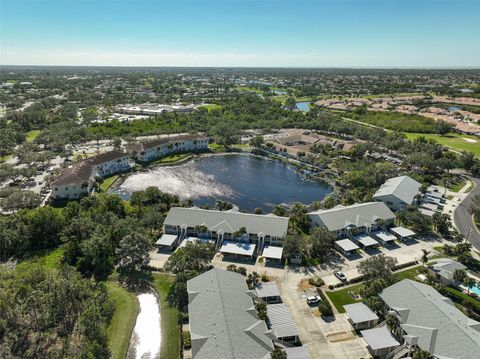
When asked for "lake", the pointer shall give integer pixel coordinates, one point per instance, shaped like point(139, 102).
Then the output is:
point(245, 180)
point(303, 106)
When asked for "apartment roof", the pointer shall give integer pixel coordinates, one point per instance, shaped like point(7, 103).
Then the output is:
point(423, 311)
point(82, 170)
point(106, 157)
point(379, 338)
point(268, 289)
point(228, 221)
point(281, 321)
point(403, 187)
point(77, 174)
point(360, 313)
point(223, 319)
point(142, 146)
point(358, 215)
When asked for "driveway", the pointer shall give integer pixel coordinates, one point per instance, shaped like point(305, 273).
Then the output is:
point(463, 219)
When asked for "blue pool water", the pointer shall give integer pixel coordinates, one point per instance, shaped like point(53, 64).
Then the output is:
point(475, 289)
point(303, 106)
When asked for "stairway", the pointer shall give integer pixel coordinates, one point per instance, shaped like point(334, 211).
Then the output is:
point(398, 353)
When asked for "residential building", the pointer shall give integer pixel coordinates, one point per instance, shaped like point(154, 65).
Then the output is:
point(281, 322)
point(444, 269)
point(380, 342)
point(398, 192)
point(431, 321)
point(77, 181)
point(233, 232)
point(223, 319)
point(346, 221)
point(154, 149)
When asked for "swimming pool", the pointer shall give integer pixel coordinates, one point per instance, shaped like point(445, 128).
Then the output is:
point(475, 289)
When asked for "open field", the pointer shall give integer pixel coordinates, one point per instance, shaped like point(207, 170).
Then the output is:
point(170, 347)
point(32, 135)
point(455, 141)
point(398, 121)
point(123, 320)
point(50, 259)
point(210, 107)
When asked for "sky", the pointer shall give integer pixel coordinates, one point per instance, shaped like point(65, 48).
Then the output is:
point(241, 33)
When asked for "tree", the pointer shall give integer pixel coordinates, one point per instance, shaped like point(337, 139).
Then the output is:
point(257, 210)
point(278, 353)
point(223, 205)
point(294, 246)
point(261, 308)
point(442, 223)
point(298, 216)
point(279, 210)
point(132, 255)
point(420, 354)
point(194, 257)
point(290, 102)
point(459, 275)
point(17, 200)
point(257, 141)
point(469, 282)
point(379, 266)
point(425, 254)
point(392, 322)
point(443, 127)
point(321, 242)
point(225, 133)
point(467, 160)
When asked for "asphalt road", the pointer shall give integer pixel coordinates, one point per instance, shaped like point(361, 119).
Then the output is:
point(463, 219)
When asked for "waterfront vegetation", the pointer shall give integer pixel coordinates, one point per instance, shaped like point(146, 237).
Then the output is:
point(108, 182)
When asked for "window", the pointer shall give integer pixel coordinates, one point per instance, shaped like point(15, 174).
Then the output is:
point(66, 188)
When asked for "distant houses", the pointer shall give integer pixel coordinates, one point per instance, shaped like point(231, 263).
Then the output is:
point(154, 149)
point(77, 181)
point(398, 192)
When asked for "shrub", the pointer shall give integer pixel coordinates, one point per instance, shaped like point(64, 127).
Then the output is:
point(325, 308)
point(187, 341)
point(316, 281)
point(265, 278)
point(242, 271)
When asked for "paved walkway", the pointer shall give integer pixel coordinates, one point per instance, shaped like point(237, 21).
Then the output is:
point(464, 220)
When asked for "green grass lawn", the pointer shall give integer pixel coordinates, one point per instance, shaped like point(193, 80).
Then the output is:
point(50, 259)
point(342, 297)
point(215, 147)
point(120, 328)
point(107, 182)
point(170, 347)
point(457, 186)
point(211, 106)
point(32, 135)
point(454, 141)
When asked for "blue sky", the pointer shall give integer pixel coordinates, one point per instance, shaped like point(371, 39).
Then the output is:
point(287, 33)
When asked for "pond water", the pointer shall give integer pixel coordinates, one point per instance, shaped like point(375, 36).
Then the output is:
point(303, 106)
point(247, 181)
point(454, 108)
point(146, 336)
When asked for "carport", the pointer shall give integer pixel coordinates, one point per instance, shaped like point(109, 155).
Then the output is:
point(360, 316)
point(280, 320)
point(380, 341)
point(346, 247)
point(384, 237)
point(365, 241)
point(166, 241)
point(297, 353)
point(268, 292)
point(193, 240)
point(403, 233)
point(273, 253)
point(238, 249)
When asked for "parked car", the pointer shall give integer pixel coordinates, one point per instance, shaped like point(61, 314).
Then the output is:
point(313, 299)
point(340, 276)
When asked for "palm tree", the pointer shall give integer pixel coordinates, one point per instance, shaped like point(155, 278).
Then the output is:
point(425, 256)
point(469, 282)
point(459, 275)
point(392, 323)
point(278, 353)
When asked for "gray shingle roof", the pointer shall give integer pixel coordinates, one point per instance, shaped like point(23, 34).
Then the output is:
point(424, 310)
point(359, 215)
point(223, 320)
point(297, 353)
point(446, 267)
point(359, 313)
point(403, 187)
point(228, 221)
